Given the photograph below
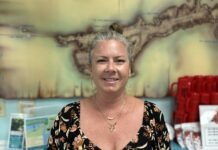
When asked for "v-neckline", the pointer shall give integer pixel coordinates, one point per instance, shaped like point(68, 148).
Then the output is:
point(95, 146)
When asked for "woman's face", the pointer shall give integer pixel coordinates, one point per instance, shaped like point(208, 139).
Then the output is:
point(110, 67)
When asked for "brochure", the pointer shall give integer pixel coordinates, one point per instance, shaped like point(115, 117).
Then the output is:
point(179, 135)
point(16, 132)
point(192, 135)
point(37, 130)
point(209, 126)
point(188, 135)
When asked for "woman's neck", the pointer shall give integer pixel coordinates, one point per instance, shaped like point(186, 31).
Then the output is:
point(109, 101)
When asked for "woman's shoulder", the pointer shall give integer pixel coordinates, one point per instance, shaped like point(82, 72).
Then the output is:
point(149, 104)
point(151, 107)
point(146, 103)
point(73, 104)
point(68, 108)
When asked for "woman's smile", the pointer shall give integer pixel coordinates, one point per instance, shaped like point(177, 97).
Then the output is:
point(111, 80)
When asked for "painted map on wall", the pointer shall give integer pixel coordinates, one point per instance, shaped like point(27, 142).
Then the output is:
point(44, 44)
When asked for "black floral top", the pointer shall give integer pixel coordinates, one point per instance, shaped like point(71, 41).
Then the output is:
point(67, 135)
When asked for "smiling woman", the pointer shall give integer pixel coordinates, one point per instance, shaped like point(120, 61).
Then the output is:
point(107, 120)
point(110, 67)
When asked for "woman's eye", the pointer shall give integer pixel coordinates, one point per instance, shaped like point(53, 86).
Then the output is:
point(101, 60)
point(120, 61)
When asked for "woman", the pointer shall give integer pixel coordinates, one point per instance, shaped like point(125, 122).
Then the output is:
point(110, 119)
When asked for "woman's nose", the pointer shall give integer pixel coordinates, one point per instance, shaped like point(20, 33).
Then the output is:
point(110, 66)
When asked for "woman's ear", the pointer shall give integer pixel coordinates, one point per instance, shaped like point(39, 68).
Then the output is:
point(130, 72)
point(91, 75)
point(90, 71)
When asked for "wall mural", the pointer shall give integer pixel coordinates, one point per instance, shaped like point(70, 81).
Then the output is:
point(44, 44)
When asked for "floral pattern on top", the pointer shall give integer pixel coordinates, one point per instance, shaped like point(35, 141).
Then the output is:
point(66, 133)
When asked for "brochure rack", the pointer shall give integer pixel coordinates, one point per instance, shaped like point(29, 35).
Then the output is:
point(33, 129)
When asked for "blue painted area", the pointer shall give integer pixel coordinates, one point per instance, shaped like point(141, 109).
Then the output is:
point(12, 107)
point(175, 146)
point(16, 142)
